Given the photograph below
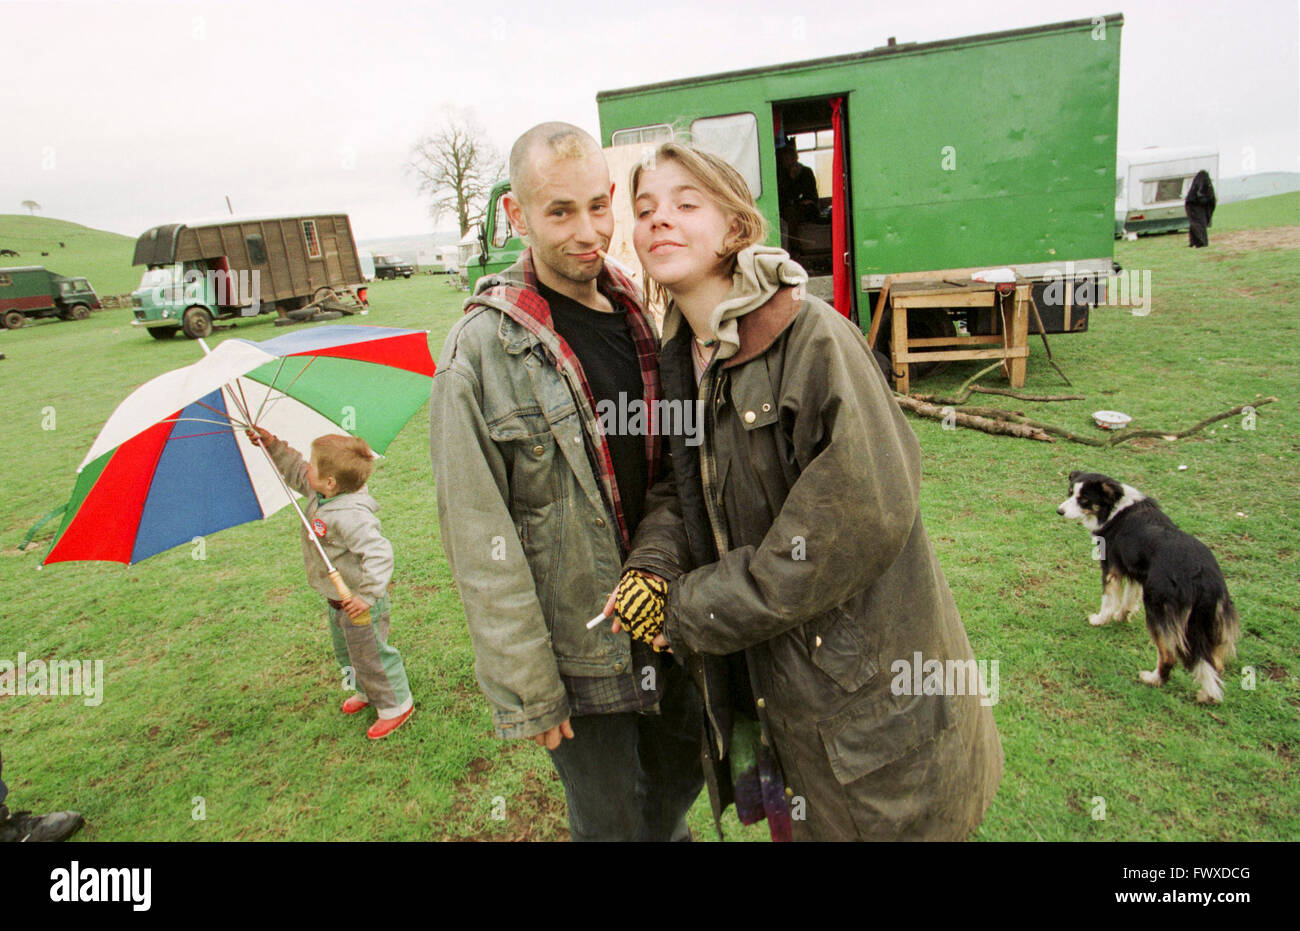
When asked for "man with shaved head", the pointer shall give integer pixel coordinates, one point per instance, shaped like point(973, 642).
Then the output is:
point(539, 503)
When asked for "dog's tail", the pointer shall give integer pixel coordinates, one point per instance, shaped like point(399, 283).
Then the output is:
point(1227, 627)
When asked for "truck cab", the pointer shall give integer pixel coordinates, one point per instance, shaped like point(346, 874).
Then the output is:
point(189, 295)
point(499, 246)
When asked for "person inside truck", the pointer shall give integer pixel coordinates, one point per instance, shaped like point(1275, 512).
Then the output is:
point(796, 187)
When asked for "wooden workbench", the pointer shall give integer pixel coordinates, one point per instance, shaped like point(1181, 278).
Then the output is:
point(1010, 343)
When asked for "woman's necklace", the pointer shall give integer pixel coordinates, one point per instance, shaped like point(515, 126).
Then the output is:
point(699, 348)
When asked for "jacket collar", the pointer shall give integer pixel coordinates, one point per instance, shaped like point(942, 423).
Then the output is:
point(515, 293)
point(759, 328)
point(758, 272)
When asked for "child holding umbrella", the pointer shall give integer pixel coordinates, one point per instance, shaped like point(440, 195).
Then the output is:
point(341, 513)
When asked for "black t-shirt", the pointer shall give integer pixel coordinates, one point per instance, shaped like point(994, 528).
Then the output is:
point(605, 349)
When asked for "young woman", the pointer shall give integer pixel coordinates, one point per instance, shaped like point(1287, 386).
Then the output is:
point(802, 590)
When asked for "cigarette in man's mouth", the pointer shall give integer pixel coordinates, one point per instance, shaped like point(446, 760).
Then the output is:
point(596, 620)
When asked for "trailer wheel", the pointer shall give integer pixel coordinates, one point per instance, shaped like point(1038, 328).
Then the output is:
point(162, 332)
point(197, 322)
point(13, 319)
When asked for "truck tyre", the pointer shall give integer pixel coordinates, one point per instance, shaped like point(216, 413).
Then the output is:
point(13, 319)
point(197, 322)
point(162, 332)
point(407, 275)
point(78, 312)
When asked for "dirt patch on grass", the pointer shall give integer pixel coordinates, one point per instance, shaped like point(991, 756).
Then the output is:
point(1234, 242)
point(536, 813)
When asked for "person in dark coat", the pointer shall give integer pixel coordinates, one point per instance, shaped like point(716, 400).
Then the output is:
point(24, 826)
point(784, 559)
point(1200, 209)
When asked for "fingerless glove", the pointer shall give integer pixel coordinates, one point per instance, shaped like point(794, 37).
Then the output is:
point(639, 606)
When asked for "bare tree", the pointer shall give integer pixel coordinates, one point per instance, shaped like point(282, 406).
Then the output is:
point(456, 167)
point(32, 206)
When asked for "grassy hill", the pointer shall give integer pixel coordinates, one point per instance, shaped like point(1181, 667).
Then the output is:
point(1279, 210)
point(103, 257)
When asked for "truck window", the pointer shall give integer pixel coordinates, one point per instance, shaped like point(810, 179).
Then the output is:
point(309, 234)
point(6, 281)
point(256, 249)
point(733, 138)
point(501, 231)
point(654, 135)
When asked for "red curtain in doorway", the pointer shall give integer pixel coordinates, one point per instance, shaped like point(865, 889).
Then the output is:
point(839, 218)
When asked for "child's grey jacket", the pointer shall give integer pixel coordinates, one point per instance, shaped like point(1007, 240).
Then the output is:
point(348, 530)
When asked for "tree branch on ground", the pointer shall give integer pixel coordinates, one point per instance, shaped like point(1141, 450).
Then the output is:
point(1014, 423)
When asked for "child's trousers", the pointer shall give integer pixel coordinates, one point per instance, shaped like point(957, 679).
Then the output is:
point(377, 667)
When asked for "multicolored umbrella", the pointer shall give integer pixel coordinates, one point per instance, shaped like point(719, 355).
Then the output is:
point(170, 464)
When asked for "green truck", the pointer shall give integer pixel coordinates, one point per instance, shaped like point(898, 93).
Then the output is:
point(973, 153)
point(35, 292)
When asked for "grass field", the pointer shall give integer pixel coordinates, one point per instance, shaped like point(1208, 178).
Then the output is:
point(221, 697)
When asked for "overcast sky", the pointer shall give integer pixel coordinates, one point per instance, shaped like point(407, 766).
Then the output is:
point(122, 115)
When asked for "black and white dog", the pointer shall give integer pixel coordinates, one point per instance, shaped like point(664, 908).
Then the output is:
point(1189, 611)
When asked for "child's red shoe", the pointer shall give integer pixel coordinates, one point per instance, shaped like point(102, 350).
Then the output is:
point(354, 704)
point(385, 726)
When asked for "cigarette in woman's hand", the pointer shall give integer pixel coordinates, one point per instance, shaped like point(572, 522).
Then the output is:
point(596, 620)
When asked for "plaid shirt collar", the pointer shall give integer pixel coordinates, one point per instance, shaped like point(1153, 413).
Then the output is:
point(516, 288)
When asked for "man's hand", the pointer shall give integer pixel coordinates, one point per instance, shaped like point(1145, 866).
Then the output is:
point(259, 436)
point(355, 606)
point(551, 739)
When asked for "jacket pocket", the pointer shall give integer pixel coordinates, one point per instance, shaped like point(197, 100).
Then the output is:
point(876, 731)
point(531, 459)
point(836, 648)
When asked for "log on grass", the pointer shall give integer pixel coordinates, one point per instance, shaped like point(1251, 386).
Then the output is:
point(974, 422)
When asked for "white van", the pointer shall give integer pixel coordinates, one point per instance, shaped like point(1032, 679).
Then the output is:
point(1151, 183)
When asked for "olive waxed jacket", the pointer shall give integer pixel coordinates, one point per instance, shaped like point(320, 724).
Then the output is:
point(792, 537)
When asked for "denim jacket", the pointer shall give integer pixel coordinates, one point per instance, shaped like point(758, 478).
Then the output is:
point(529, 526)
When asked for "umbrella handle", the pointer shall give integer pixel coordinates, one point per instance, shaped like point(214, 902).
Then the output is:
point(361, 620)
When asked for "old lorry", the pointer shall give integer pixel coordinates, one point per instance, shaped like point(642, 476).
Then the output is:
point(234, 267)
point(31, 291)
point(963, 154)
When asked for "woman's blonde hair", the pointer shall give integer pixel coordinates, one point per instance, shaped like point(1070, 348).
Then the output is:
point(721, 183)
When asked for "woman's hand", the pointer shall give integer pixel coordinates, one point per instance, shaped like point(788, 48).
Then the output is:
point(637, 605)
